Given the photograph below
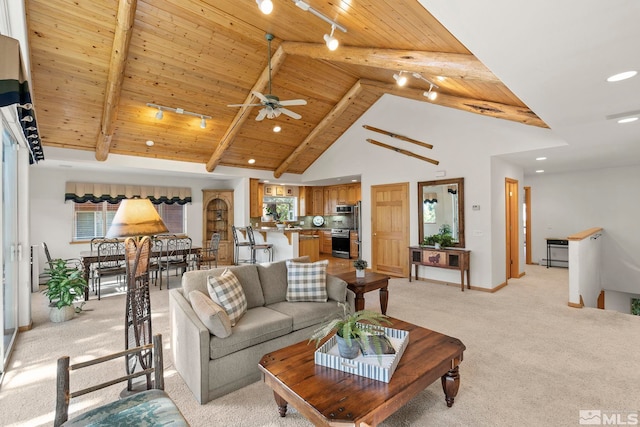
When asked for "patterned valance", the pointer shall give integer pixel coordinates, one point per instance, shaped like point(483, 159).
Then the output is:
point(14, 90)
point(82, 192)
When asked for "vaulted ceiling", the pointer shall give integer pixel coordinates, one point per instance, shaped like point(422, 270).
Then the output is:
point(97, 64)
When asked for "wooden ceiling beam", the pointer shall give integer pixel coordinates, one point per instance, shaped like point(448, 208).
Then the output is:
point(327, 121)
point(493, 109)
point(453, 65)
point(242, 115)
point(119, 53)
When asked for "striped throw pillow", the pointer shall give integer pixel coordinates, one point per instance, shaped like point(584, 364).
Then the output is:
point(226, 291)
point(307, 281)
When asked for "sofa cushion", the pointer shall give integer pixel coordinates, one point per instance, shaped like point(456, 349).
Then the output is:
point(226, 291)
point(307, 281)
point(306, 314)
point(273, 277)
point(258, 325)
point(247, 275)
point(214, 317)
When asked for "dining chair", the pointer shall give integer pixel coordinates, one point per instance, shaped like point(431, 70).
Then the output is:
point(156, 259)
point(210, 254)
point(266, 247)
point(110, 262)
point(178, 255)
point(237, 243)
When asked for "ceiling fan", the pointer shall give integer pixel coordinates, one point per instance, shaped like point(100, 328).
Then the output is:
point(272, 107)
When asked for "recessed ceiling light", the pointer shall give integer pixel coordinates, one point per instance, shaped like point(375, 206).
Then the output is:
point(149, 143)
point(277, 128)
point(540, 171)
point(541, 158)
point(622, 76)
point(266, 181)
point(251, 161)
point(628, 120)
point(354, 180)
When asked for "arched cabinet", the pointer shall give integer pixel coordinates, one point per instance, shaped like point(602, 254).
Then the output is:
point(217, 216)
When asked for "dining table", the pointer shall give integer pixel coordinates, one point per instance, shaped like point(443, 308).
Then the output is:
point(91, 257)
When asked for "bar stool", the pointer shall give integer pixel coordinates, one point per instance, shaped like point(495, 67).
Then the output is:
point(267, 247)
point(238, 244)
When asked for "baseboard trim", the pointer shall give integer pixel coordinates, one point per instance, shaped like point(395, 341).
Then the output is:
point(26, 327)
point(457, 285)
point(574, 305)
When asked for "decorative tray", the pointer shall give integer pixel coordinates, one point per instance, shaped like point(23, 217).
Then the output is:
point(378, 368)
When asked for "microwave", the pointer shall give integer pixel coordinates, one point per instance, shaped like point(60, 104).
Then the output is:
point(344, 209)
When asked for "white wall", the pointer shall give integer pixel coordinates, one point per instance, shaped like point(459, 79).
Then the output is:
point(619, 301)
point(52, 219)
point(564, 204)
point(462, 152)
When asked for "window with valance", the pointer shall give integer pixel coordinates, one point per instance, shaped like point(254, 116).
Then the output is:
point(82, 192)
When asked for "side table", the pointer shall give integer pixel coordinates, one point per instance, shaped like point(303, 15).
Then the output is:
point(370, 282)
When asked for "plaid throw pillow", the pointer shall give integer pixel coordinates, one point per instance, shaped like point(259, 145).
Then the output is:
point(226, 291)
point(307, 281)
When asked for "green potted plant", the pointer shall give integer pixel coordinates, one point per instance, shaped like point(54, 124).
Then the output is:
point(349, 330)
point(65, 284)
point(442, 239)
point(360, 265)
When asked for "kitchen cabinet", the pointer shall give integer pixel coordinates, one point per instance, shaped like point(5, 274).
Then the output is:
point(309, 246)
point(325, 241)
point(346, 194)
point(353, 245)
point(256, 194)
point(317, 206)
point(217, 217)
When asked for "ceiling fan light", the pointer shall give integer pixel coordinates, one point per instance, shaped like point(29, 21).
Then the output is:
point(265, 6)
point(400, 79)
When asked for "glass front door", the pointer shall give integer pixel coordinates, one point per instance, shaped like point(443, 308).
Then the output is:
point(9, 226)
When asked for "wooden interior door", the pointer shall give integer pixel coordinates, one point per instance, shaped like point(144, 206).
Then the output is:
point(527, 222)
point(512, 231)
point(390, 229)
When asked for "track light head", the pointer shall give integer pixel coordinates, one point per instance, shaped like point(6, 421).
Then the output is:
point(400, 79)
point(332, 42)
point(265, 6)
point(431, 94)
point(203, 122)
point(159, 114)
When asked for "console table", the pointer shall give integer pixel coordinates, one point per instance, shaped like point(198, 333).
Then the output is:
point(451, 258)
point(556, 243)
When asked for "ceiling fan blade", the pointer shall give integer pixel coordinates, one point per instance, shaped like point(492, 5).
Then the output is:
point(261, 114)
point(244, 105)
point(260, 96)
point(290, 113)
point(294, 102)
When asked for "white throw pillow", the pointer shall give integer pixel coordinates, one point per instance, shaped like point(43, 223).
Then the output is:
point(226, 291)
point(213, 316)
point(307, 281)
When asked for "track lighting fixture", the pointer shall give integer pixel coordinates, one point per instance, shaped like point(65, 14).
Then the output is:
point(265, 6)
point(431, 94)
point(332, 42)
point(400, 79)
point(162, 108)
point(307, 8)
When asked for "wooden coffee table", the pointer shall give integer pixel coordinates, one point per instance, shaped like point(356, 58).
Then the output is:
point(325, 396)
point(370, 282)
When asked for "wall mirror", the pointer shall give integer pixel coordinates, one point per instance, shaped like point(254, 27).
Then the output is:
point(441, 202)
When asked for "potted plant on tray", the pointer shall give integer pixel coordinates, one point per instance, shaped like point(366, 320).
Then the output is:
point(360, 265)
point(350, 332)
point(65, 284)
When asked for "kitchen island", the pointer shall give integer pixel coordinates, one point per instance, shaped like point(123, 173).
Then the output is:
point(287, 243)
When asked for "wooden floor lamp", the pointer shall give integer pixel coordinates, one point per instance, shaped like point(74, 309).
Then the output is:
point(135, 218)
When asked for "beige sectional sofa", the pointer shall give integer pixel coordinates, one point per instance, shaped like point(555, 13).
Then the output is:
point(213, 366)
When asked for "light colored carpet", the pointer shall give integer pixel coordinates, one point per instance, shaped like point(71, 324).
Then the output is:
point(530, 359)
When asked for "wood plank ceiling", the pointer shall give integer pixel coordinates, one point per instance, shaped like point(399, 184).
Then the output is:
point(97, 63)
